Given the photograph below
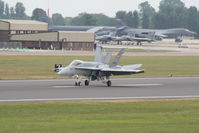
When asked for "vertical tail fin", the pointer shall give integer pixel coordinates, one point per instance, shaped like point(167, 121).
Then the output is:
point(98, 54)
point(107, 58)
point(117, 58)
point(152, 35)
point(119, 23)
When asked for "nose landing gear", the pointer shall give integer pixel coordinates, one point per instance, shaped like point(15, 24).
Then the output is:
point(77, 81)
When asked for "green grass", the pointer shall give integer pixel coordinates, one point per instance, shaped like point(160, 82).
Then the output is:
point(34, 67)
point(100, 117)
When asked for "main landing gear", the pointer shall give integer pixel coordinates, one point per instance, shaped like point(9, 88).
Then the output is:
point(78, 82)
point(86, 82)
point(109, 83)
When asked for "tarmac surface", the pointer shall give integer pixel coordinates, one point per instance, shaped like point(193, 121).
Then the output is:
point(193, 50)
point(122, 89)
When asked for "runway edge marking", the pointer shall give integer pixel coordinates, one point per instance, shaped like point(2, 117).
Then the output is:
point(100, 98)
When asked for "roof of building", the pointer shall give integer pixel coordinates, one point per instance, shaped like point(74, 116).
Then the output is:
point(26, 24)
point(14, 21)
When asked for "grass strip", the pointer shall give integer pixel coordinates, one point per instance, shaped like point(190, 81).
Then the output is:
point(180, 116)
point(41, 67)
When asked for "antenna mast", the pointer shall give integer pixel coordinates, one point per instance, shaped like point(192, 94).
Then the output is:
point(48, 8)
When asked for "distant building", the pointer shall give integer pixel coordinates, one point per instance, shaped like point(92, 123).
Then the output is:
point(35, 34)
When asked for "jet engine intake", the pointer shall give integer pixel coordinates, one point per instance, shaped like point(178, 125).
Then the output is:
point(57, 67)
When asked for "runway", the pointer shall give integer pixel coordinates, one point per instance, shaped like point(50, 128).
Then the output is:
point(122, 89)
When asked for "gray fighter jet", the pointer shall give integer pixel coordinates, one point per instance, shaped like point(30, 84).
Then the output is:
point(159, 34)
point(125, 33)
point(149, 38)
point(104, 38)
point(107, 38)
point(100, 69)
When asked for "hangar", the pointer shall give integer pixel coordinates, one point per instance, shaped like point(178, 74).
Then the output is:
point(35, 34)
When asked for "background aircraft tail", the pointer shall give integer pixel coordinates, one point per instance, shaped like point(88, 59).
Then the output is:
point(151, 35)
point(119, 23)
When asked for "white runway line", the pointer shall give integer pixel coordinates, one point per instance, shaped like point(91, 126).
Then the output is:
point(64, 86)
point(100, 98)
point(135, 85)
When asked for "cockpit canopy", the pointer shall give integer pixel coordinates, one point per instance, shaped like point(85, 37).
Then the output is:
point(76, 63)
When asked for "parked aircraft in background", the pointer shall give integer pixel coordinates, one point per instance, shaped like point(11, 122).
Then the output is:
point(106, 38)
point(159, 34)
point(100, 69)
point(123, 33)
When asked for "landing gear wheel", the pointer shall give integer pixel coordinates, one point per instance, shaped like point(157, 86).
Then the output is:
point(77, 83)
point(108, 83)
point(86, 82)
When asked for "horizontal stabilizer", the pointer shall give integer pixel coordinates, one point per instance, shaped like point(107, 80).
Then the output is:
point(132, 67)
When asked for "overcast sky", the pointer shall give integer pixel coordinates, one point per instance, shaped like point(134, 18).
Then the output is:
point(71, 8)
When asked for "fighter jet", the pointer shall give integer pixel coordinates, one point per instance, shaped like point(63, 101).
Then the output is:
point(139, 40)
point(104, 38)
point(100, 69)
point(130, 38)
point(159, 34)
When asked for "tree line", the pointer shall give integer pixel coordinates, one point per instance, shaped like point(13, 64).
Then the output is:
point(17, 12)
point(171, 14)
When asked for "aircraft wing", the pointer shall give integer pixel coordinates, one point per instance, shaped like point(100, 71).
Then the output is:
point(111, 71)
point(116, 71)
point(161, 35)
point(141, 39)
point(88, 68)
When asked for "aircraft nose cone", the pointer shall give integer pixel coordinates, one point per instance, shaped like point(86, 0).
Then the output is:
point(64, 71)
point(60, 72)
point(194, 33)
